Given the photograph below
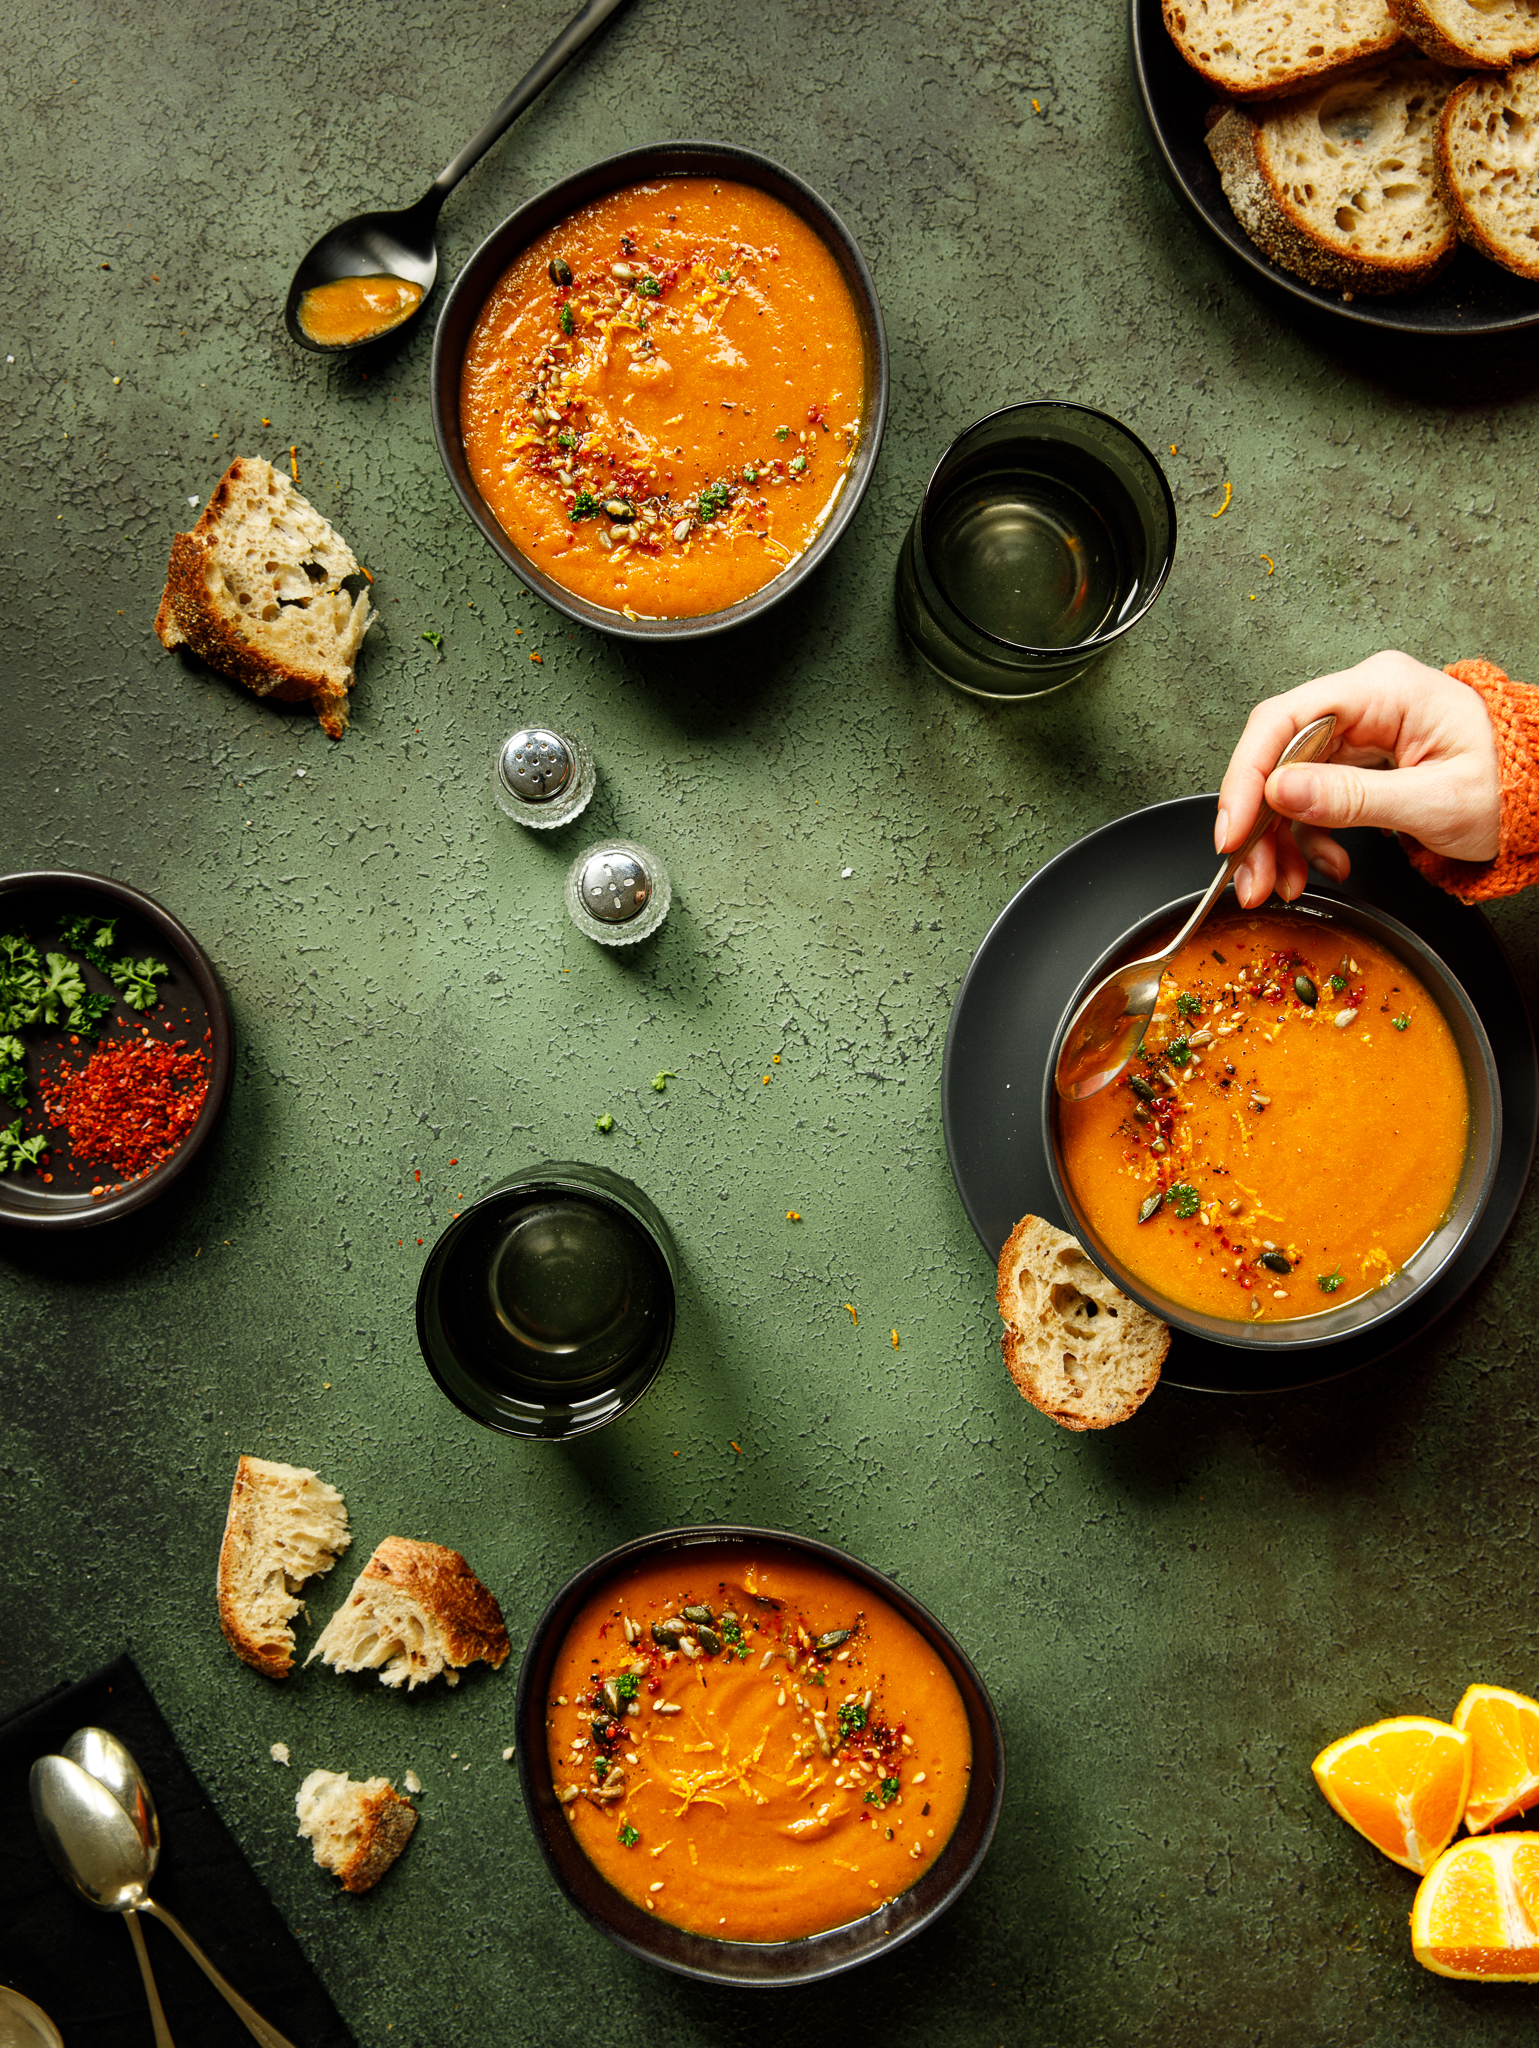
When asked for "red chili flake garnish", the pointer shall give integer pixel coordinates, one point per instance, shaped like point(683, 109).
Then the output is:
point(416, 1173)
point(132, 1104)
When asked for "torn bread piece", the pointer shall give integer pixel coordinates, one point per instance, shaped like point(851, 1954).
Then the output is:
point(1251, 49)
point(1484, 35)
point(255, 590)
point(415, 1609)
point(285, 1525)
point(356, 1830)
point(1076, 1347)
point(1488, 166)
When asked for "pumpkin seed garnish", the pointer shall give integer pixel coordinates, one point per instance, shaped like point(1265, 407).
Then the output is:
point(1150, 1205)
point(1274, 1262)
point(708, 1640)
point(666, 1632)
point(1140, 1088)
point(1305, 990)
point(832, 1640)
point(700, 1614)
point(560, 271)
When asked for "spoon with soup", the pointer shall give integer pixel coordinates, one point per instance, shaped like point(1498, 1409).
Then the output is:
point(371, 275)
point(1108, 1027)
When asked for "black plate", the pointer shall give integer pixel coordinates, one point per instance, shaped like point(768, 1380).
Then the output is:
point(1472, 296)
point(191, 1003)
point(754, 1963)
point(1034, 957)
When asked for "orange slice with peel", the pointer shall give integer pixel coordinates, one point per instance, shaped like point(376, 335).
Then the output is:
point(1477, 1911)
point(1504, 1775)
point(1402, 1783)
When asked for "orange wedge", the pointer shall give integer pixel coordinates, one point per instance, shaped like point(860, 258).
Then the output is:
point(1477, 1911)
point(1504, 1776)
point(1401, 1783)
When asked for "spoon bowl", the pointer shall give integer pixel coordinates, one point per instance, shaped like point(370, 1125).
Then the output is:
point(111, 1763)
point(88, 1837)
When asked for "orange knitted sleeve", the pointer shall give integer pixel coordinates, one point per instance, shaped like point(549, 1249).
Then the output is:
point(1514, 709)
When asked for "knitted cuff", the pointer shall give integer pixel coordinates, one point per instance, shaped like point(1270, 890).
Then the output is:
point(1514, 709)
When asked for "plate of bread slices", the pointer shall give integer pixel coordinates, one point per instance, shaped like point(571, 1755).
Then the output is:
point(1376, 158)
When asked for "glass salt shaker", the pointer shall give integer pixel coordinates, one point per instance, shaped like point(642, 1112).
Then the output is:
point(617, 892)
point(543, 778)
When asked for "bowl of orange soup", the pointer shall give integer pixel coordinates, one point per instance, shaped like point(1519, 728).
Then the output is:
point(1306, 1138)
point(659, 388)
point(749, 1757)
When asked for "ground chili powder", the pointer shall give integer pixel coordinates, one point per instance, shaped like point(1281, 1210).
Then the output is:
point(132, 1103)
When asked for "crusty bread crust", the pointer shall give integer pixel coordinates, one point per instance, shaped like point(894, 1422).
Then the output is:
point(255, 590)
point(1074, 1344)
point(1486, 36)
point(355, 1830)
point(1255, 49)
point(415, 1609)
point(285, 1525)
point(1338, 185)
point(1488, 166)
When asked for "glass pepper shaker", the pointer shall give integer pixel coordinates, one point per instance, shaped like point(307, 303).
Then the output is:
point(543, 778)
point(617, 892)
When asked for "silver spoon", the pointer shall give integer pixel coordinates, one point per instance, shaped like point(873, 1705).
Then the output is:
point(1108, 1027)
point(402, 244)
point(99, 1850)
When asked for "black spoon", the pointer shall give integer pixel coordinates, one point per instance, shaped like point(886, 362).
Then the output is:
point(402, 244)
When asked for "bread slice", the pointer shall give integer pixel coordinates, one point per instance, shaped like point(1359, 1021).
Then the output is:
point(1488, 166)
point(1338, 185)
point(255, 590)
point(1255, 49)
point(1485, 34)
point(415, 1609)
point(1076, 1347)
point(356, 1830)
point(285, 1525)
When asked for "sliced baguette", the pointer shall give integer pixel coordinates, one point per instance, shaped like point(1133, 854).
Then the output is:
point(415, 1609)
point(1488, 166)
point(255, 590)
point(1255, 49)
point(1338, 185)
point(1485, 34)
point(356, 1830)
point(285, 1525)
point(1076, 1347)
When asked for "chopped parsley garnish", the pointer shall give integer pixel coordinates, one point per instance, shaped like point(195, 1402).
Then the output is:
point(13, 1076)
point(566, 438)
point(732, 1630)
point(137, 979)
point(1188, 1005)
point(86, 1016)
point(566, 322)
point(605, 1123)
point(1337, 984)
point(627, 1685)
point(585, 507)
point(781, 433)
point(798, 464)
point(91, 938)
point(649, 288)
point(628, 1837)
point(1400, 1022)
point(750, 475)
point(713, 499)
point(660, 1081)
point(63, 988)
point(724, 277)
point(884, 1794)
point(1178, 1052)
point(601, 1769)
point(435, 640)
point(1329, 1282)
point(852, 1718)
point(17, 1151)
point(1184, 1199)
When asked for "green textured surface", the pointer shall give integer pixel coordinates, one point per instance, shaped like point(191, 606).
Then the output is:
point(1173, 1618)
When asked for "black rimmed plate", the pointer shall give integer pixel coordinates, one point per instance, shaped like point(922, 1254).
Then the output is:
point(191, 1007)
point(1034, 956)
point(1472, 296)
point(751, 1963)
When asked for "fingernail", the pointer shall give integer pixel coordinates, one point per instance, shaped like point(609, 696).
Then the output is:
point(1242, 882)
point(1297, 791)
point(1220, 831)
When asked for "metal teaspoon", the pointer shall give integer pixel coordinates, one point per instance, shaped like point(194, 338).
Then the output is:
point(1108, 1027)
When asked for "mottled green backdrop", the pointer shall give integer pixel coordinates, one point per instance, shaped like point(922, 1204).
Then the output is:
point(1173, 1617)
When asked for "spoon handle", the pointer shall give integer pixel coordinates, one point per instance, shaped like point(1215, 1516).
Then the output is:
point(586, 22)
point(151, 1989)
point(1306, 745)
point(255, 2025)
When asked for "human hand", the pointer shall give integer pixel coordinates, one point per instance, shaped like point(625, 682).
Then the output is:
point(1392, 713)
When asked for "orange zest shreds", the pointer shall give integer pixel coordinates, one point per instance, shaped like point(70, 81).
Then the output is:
point(1271, 566)
point(294, 462)
point(1172, 447)
point(1477, 1911)
point(363, 572)
point(766, 1080)
point(1402, 1784)
point(1504, 1769)
point(1228, 494)
point(736, 1446)
point(1036, 106)
point(416, 1173)
point(537, 657)
point(855, 1319)
point(793, 1215)
point(894, 1340)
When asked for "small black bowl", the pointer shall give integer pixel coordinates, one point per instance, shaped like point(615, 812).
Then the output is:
point(751, 1963)
point(474, 286)
point(1368, 1311)
point(547, 1307)
point(191, 1002)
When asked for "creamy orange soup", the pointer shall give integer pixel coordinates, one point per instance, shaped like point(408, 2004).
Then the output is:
point(1293, 1131)
point(662, 397)
point(351, 310)
point(752, 1746)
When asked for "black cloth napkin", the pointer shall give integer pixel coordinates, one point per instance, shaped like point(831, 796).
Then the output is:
point(78, 1965)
